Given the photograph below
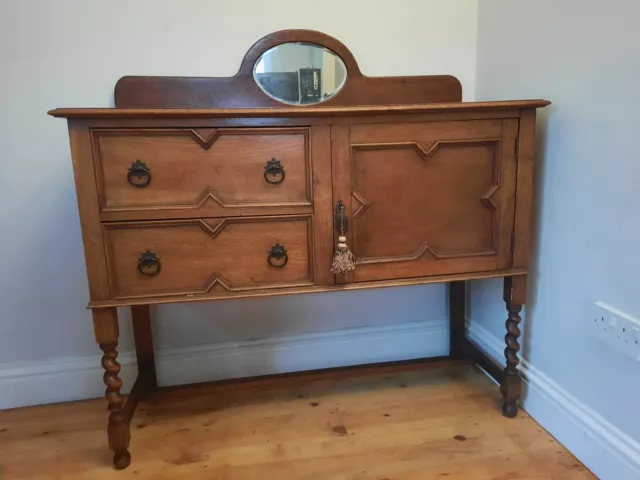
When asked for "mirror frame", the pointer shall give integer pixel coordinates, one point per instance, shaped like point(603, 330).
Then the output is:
point(310, 45)
point(241, 90)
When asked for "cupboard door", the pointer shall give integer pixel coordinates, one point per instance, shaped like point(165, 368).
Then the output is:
point(426, 199)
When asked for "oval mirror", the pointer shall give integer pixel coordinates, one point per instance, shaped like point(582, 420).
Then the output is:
point(300, 73)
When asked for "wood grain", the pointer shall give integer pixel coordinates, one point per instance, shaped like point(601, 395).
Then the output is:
point(143, 338)
point(203, 255)
point(342, 189)
point(507, 176)
point(105, 325)
point(365, 110)
point(457, 318)
point(515, 289)
point(515, 295)
point(323, 204)
point(431, 200)
point(89, 209)
point(482, 360)
point(524, 198)
point(197, 172)
point(404, 422)
point(118, 430)
point(338, 287)
point(266, 121)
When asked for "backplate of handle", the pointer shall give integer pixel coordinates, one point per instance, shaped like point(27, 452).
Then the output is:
point(149, 263)
point(139, 175)
point(278, 257)
point(274, 172)
point(341, 222)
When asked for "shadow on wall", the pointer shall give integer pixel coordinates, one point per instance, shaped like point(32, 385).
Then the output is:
point(540, 171)
point(189, 327)
point(485, 304)
point(244, 319)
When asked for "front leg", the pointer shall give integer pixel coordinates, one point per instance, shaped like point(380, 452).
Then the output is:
point(105, 322)
point(515, 289)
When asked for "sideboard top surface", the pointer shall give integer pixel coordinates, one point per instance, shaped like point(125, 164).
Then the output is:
point(293, 111)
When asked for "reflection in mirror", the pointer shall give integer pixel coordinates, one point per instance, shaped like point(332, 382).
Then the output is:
point(300, 73)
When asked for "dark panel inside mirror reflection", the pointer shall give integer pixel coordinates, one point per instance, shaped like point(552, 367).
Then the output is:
point(300, 73)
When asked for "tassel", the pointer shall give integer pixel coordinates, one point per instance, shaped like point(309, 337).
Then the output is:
point(343, 259)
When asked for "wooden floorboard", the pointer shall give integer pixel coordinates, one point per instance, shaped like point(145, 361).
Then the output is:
point(398, 422)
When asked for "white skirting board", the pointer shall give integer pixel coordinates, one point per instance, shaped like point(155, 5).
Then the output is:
point(64, 379)
point(602, 447)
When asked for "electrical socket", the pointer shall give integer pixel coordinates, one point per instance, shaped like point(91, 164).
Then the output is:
point(617, 329)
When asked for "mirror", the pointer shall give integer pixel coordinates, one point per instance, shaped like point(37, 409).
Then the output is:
point(300, 73)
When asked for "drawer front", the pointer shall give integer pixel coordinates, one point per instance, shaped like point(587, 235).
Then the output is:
point(198, 256)
point(430, 198)
point(168, 173)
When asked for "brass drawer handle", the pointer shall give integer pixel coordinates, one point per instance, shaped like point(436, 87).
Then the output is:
point(279, 253)
point(139, 175)
point(274, 168)
point(149, 263)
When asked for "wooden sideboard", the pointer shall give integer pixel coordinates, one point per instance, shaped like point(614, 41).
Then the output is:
point(196, 189)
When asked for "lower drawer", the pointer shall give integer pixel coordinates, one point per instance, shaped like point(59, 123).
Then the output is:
point(196, 256)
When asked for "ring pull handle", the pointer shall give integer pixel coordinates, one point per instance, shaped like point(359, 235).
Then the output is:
point(274, 172)
point(149, 263)
point(139, 175)
point(279, 254)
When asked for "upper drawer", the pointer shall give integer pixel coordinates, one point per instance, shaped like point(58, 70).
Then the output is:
point(165, 173)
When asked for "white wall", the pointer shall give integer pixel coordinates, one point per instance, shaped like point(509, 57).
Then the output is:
point(70, 53)
point(583, 55)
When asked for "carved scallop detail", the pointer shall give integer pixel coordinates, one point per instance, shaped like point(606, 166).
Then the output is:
point(205, 137)
point(364, 203)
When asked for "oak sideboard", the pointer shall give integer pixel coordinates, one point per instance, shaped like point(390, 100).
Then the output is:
point(299, 174)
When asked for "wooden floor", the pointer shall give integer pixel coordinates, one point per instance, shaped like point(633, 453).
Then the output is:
point(402, 422)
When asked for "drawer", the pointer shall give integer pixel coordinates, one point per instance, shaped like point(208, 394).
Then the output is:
point(169, 173)
point(198, 256)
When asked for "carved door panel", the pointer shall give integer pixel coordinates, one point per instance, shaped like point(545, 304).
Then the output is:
point(424, 199)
